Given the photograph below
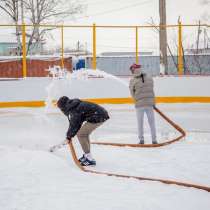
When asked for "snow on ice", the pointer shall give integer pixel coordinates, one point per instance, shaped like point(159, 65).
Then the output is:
point(33, 178)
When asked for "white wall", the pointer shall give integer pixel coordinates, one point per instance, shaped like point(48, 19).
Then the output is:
point(35, 89)
point(182, 86)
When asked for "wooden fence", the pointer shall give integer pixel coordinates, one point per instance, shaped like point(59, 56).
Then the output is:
point(36, 67)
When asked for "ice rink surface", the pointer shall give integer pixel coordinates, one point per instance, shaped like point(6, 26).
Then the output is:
point(33, 178)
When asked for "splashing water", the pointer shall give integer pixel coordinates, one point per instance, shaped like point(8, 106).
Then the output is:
point(52, 89)
point(85, 74)
point(63, 83)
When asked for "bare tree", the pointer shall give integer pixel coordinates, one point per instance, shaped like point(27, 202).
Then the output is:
point(11, 8)
point(45, 11)
point(38, 12)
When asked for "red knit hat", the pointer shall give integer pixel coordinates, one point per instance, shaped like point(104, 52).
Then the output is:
point(135, 66)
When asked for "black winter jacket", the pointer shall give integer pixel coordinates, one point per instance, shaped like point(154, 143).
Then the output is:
point(79, 111)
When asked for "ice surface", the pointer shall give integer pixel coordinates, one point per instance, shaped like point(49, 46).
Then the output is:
point(32, 178)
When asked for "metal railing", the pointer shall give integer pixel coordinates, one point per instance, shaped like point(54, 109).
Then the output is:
point(94, 28)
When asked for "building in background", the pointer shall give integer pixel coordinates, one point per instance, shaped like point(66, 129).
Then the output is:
point(126, 53)
point(11, 48)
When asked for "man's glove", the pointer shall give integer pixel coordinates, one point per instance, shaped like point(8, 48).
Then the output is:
point(68, 139)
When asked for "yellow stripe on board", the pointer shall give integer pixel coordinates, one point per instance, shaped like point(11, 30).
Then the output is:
point(157, 99)
point(22, 104)
point(183, 99)
point(111, 101)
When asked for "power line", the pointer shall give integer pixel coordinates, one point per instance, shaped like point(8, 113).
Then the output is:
point(100, 2)
point(116, 10)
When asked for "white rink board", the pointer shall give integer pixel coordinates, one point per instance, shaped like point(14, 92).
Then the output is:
point(35, 89)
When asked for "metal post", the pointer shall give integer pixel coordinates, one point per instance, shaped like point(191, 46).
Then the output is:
point(180, 52)
point(24, 69)
point(94, 47)
point(163, 38)
point(137, 53)
point(62, 48)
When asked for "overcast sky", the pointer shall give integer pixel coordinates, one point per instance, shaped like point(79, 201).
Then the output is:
point(132, 12)
point(137, 12)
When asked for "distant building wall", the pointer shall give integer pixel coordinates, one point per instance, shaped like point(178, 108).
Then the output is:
point(199, 64)
point(35, 67)
point(10, 48)
point(7, 48)
point(194, 64)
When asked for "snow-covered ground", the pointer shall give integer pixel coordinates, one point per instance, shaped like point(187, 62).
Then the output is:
point(33, 178)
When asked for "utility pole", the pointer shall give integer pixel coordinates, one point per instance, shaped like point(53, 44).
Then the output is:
point(163, 38)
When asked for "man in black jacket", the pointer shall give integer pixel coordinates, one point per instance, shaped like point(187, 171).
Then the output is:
point(78, 112)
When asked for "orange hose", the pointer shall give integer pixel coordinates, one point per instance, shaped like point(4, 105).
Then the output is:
point(178, 128)
point(134, 177)
point(74, 156)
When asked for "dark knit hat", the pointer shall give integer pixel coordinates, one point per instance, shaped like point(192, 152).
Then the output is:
point(62, 101)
